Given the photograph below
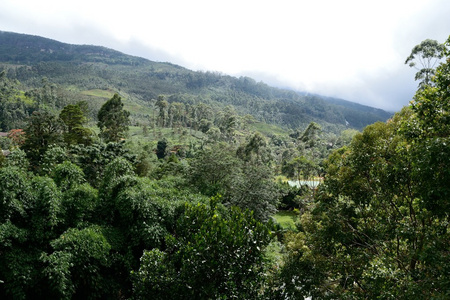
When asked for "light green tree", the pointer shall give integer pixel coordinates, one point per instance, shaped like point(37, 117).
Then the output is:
point(424, 58)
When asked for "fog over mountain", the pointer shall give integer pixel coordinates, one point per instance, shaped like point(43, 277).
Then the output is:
point(348, 49)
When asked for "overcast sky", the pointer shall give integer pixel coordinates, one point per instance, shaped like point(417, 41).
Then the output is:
point(350, 49)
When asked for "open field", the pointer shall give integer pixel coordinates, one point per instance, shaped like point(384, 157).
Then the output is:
point(286, 218)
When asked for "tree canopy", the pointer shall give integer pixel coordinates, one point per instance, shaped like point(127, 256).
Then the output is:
point(378, 227)
point(188, 209)
point(425, 57)
point(113, 120)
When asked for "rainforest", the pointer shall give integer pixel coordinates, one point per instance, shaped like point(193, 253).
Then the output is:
point(124, 178)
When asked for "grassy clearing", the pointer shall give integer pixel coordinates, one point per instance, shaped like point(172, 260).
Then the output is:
point(107, 94)
point(135, 108)
point(100, 96)
point(286, 218)
point(267, 128)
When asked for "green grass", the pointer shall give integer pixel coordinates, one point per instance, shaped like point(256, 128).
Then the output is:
point(265, 128)
point(129, 104)
point(135, 108)
point(286, 218)
point(107, 94)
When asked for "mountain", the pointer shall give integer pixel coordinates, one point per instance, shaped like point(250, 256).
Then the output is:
point(85, 68)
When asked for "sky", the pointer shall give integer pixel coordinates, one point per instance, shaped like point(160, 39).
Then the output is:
point(349, 49)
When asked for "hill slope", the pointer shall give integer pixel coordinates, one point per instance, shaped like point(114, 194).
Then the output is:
point(86, 68)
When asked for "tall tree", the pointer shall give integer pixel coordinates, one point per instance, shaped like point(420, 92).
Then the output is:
point(427, 54)
point(311, 134)
point(113, 120)
point(162, 104)
point(255, 149)
point(74, 117)
point(253, 188)
point(212, 170)
point(43, 130)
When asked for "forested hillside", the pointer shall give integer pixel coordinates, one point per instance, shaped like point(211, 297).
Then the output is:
point(85, 68)
point(122, 178)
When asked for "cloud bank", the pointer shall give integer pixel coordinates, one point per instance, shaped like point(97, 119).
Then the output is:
point(348, 49)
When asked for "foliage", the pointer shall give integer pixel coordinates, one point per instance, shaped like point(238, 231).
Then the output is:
point(14, 194)
point(112, 220)
point(18, 158)
point(214, 255)
point(212, 170)
point(43, 130)
point(83, 67)
point(67, 175)
point(74, 118)
point(253, 188)
point(94, 158)
point(113, 120)
point(161, 149)
point(427, 54)
point(17, 137)
point(54, 156)
point(74, 268)
point(62, 238)
point(14, 106)
point(379, 226)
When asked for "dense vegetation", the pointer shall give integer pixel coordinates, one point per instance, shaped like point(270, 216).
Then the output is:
point(104, 194)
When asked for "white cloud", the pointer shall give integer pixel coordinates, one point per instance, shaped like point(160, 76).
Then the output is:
point(341, 48)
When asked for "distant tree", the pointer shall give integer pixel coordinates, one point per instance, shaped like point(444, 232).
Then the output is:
point(162, 104)
point(14, 107)
point(113, 120)
point(17, 136)
point(311, 134)
point(74, 118)
point(205, 125)
point(300, 168)
point(253, 188)
point(42, 131)
point(145, 130)
point(212, 170)
point(161, 149)
point(213, 134)
point(255, 149)
point(427, 55)
point(229, 123)
point(177, 112)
